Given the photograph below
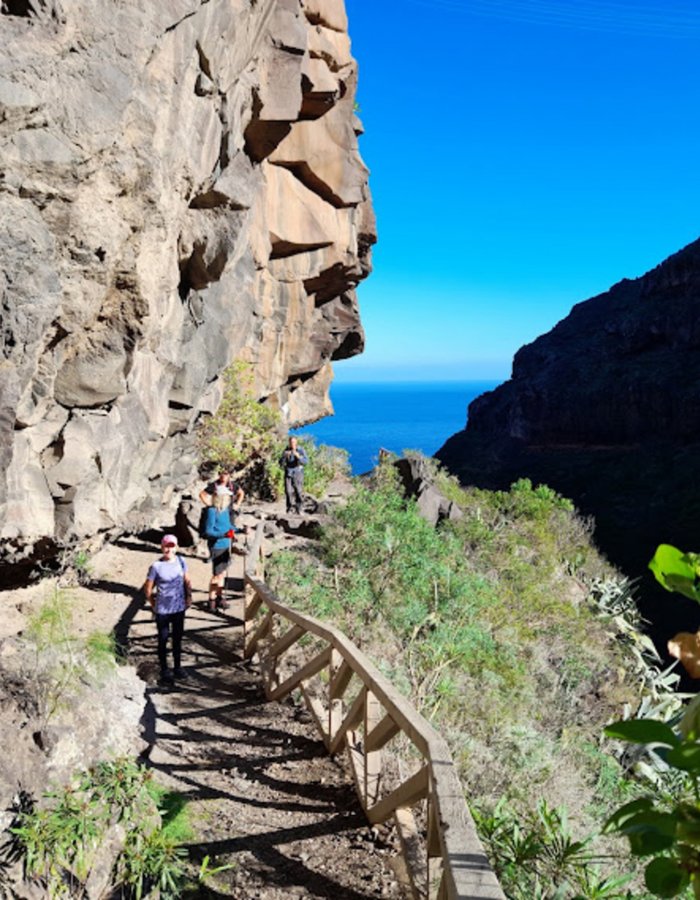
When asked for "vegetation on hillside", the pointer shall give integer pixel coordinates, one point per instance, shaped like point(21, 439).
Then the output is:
point(511, 633)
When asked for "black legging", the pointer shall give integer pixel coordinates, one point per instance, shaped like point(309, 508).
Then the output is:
point(164, 623)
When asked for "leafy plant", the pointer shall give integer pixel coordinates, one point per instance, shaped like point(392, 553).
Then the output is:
point(76, 567)
point(677, 571)
point(247, 435)
point(664, 825)
point(535, 856)
point(60, 837)
point(243, 429)
point(62, 660)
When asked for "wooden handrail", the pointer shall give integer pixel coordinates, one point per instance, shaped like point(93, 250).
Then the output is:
point(363, 725)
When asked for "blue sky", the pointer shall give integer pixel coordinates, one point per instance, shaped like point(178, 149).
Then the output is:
point(524, 155)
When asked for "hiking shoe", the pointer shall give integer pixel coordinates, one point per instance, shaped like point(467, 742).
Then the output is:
point(166, 676)
point(180, 673)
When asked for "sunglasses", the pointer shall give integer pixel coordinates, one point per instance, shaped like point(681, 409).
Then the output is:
point(169, 545)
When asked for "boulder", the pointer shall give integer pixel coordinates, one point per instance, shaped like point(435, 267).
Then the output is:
point(418, 483)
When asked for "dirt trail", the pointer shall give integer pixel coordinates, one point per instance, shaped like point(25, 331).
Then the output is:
point(264, 794)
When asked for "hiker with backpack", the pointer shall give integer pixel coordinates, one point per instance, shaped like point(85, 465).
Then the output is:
point(168, 591)
point(219, 531)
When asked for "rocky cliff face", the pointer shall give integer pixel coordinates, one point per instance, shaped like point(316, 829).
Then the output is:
point(180, 187)
point(604, 408)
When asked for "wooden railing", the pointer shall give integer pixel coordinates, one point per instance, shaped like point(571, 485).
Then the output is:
point(355, 708)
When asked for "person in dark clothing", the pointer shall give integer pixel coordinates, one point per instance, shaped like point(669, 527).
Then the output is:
point(170, 580)
point(293, 461)
point(206, 495)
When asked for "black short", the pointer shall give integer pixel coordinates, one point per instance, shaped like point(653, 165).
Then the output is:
point(220, 560)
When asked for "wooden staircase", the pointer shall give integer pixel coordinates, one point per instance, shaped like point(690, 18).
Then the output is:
point(357, 710)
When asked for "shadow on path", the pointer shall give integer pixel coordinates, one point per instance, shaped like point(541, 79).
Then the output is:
point(263, 793)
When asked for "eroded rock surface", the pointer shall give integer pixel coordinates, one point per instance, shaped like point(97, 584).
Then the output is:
point(180, 187)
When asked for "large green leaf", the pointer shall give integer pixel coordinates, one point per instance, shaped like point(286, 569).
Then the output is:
point(650, 832)
point(643, 731)
point(665, 877)
point(688, 824)
point(686, 756)
point(676, 571)
point(621, 816)
point(689, 726)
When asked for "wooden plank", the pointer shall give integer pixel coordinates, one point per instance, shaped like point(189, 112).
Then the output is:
point(373, 758)
point(335, 721)
point(259, 633)
point(467, 872)
point(356, 757)
point(381, 734)
point(248, 596)
point(335, 703)
point(318, 713)
point(285, 642)
point(412, 851)
point(411, 791)
point(312, 667)
point(352, 718)
point(268, 671)
point(340, 679)
point(253, 562)
point(252, 608)
point(433, 842)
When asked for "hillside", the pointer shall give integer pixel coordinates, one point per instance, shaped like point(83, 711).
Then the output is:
point(603, 409)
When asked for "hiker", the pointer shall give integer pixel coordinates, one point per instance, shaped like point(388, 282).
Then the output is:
point(170, 580)
point(220, 531)
point(206, 495)
point(293, 461)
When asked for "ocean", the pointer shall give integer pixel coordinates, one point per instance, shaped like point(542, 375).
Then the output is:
point(395, 416)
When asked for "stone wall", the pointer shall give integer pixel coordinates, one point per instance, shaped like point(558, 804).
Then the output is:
point(180, 187)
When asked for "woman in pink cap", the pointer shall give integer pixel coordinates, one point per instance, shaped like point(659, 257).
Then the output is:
point(173, 595)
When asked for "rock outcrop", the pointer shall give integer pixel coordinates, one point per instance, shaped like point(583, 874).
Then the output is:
point(180, 188)
point(604, 408)
point(419, 483)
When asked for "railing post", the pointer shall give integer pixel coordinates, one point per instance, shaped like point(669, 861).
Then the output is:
point(373, 759)
point(335, 704)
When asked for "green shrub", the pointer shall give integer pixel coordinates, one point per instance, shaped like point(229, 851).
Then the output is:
point(63, 661)
point(59, 838)
point(242, 429)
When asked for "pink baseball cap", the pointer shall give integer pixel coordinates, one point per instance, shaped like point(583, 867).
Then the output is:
point(169, 539)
